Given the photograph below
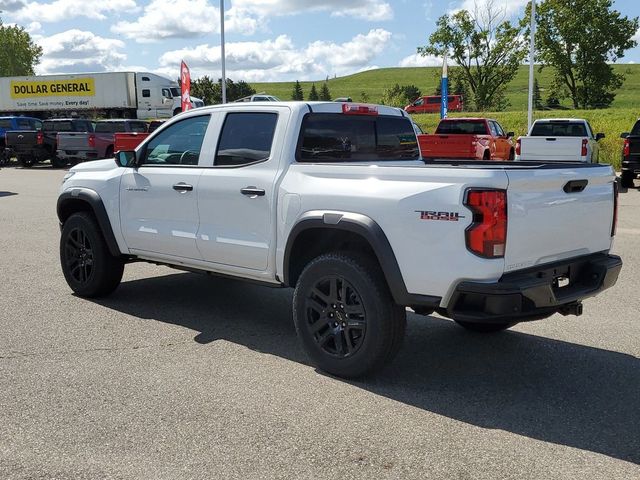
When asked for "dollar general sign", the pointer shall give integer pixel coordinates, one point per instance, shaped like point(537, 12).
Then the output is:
point(78, 87)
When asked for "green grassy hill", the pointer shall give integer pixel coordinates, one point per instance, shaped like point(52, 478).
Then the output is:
point(612, 121)
point(374, 82)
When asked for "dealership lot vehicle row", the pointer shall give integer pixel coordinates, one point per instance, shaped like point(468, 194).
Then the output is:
point(180, 376)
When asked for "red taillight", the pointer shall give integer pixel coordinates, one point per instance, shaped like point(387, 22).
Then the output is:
point(39, 138)
point(518, 146)
point(92, 140)
point(614, 225)
point(626, 149)
point(487, 235)
point(583, 151)
point(355, 109)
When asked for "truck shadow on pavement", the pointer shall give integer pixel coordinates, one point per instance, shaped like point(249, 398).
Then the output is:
point(7, 194)
point(550, 390)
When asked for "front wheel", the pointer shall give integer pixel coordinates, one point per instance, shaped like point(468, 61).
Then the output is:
point(345, 315)
point(87, 264)
point(485, 327)
point(26, 162)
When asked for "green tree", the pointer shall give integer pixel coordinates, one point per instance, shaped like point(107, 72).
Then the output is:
point(325, 94)
point(18, 54)
point(579, 40)
point(487, 48)
point(400, 95)
point(313, 93)
point(364, 97)
point(298, 94)
point(537, 97)
point(211, 92)
point(460, 86)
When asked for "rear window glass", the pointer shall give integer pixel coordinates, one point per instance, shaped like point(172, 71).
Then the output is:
point(462, 127)
point(24, 123)
point(558, 129)
point(138, 127)
point(635, 131)
point(5, 123)
point(110, 127)
point(329, 137)
point(58, 126)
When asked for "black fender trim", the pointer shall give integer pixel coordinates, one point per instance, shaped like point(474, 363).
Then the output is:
point(94, 201)
point(375, 236)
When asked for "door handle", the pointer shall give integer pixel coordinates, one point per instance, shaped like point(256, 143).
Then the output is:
point(252, 191)
point(182, 187)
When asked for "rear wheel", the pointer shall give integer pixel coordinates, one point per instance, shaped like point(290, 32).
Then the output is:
point(485, 327)
point(512, 155)
point(345, 315)
point(487, 155)
point(177, 111)
point(626, 179)
point(87, 264)
point(109, 152)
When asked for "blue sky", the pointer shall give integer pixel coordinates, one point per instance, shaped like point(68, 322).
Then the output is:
point(267, 40)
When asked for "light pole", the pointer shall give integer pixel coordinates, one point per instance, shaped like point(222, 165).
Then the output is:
point(222, 57)
point(532, 48)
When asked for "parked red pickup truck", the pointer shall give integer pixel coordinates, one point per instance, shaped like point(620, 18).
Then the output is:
point(468, 138)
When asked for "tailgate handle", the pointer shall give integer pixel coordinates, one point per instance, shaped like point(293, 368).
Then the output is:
point(575, 186)
point(550, 139)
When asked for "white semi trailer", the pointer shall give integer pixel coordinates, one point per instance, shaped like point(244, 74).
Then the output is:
point(114, 94)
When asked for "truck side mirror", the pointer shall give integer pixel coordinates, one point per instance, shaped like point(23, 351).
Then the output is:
point(599, 136)
point(624, 135)
point(126, 158)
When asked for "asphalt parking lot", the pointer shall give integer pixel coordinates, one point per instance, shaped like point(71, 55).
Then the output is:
point(180, 376)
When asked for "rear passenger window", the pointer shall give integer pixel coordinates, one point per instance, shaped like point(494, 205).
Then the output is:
point(246, 138)
point(178, 144)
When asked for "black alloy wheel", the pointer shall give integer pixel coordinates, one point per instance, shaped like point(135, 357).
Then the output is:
point(336, 316)
point(79, 256)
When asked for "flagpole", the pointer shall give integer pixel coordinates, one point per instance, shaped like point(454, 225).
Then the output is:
point(532, 47)
point(222, 57)
point(444, 89)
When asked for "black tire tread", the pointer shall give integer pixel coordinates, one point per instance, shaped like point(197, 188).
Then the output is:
point(108, 269)
point(394, 328)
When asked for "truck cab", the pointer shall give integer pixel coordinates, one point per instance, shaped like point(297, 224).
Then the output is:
point(159, 97)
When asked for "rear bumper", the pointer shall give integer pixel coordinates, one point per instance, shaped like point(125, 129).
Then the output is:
point(631, 165)
point(535, 293)
point(77, 154)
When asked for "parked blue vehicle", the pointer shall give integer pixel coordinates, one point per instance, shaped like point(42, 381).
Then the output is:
point(8, 124)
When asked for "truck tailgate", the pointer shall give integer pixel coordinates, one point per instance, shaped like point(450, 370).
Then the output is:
point(551, 218)
point(73, 141)
point(447, 146)
point(550, 149)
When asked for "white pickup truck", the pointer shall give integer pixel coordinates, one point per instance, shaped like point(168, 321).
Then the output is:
point(334, 200)
point(559, 140)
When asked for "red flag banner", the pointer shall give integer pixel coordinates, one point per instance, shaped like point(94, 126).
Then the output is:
point(185, 84)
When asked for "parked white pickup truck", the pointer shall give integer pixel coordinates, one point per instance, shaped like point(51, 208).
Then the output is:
point(559, 140)
point(335, 200)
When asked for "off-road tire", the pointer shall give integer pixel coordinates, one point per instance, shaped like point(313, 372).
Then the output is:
point(87, 265)
point(485, 327)
point(362, 282)
point(26, 162)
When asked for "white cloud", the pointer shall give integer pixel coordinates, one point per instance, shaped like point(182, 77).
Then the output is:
point(11, 5)
point(417, 60)
point(164, 19)
point(509, 7)
point(59, 10)
point(636, 37)
point(279, 59)
point(375, 10)
point(76, 51)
